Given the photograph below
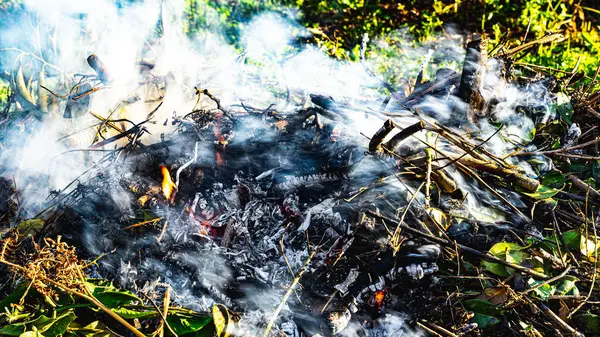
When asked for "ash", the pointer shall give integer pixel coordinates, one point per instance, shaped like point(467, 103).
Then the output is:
point(238, 231)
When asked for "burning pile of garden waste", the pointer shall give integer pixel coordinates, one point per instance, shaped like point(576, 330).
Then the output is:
point(157, 184)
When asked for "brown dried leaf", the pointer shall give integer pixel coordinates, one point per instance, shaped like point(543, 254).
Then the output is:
point(495, 295)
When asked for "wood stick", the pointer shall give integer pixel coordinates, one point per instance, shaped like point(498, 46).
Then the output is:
point(288, 294)
point(555, 278)
point(446, 183)
point(564, 149)
point(528, 184)
point(393, 143)
point(472, 77)
point(375, 143)
point(580, 184)
point(558, 322)
point(438, 329)
point(463, 248)
point(166, 303)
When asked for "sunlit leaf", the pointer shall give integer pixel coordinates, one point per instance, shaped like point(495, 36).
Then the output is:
point(543, 291)
point(543, 192)
point(510, 252)
point(221, 319)
point(131, 314)
point(588, 248)
point(31, 227)
point(186, 324)
point(566, 285)
point(32, 334)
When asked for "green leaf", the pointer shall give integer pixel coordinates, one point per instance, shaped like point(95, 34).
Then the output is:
point(13, 297)
point(566, 285)
point(131, 314)
point(184, 324)
point(543, 192)
point(572, 239)
point(484, 321)
point(31, 227)
point(507, 251)
point(480, 306)
point(554, 179)
point(12, 330)
point(566, 112)
point(495, 268)
point(530, 135)
point(544, 291)
point(58, 326)
point(112, 297)
point(588, 323)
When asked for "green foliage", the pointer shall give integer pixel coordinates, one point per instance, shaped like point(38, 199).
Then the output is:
point(28, 314)
point(338, 26)
point(509, 252)
point(4, 92)
point(485, 312)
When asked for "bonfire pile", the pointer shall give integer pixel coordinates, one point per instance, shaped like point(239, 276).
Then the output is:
point(289, 223)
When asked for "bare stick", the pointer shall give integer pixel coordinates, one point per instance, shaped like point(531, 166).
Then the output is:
point(288, 294)
point(184, 166)
point(565, 149)
point(559, 322)
point(555, 278)
point(463, 248)
point(405, 133)
point(521, 180)
point(438, 329)
point(162, 232)
point(139, 224)
point(580, 184)
point(375, 143)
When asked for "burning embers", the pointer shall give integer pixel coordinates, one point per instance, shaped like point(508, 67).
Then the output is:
point(168, 186)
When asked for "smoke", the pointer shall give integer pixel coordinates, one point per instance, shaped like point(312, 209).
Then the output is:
point(44, 155)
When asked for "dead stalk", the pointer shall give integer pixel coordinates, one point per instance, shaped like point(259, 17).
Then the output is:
point(463, 248)
point(288, 294)
point(88, 297)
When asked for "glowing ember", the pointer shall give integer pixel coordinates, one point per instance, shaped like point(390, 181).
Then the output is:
point(143, 200)
point(336, 133)
point(219, 159)
point(221, 140)
point(379, 297)
point(167, 185)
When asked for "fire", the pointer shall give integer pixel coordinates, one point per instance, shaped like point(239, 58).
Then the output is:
point(379, 297)
point(167, 185)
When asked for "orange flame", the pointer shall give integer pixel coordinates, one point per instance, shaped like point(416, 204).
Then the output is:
point(167, 185)
point(379, 297)
point(219, 159)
